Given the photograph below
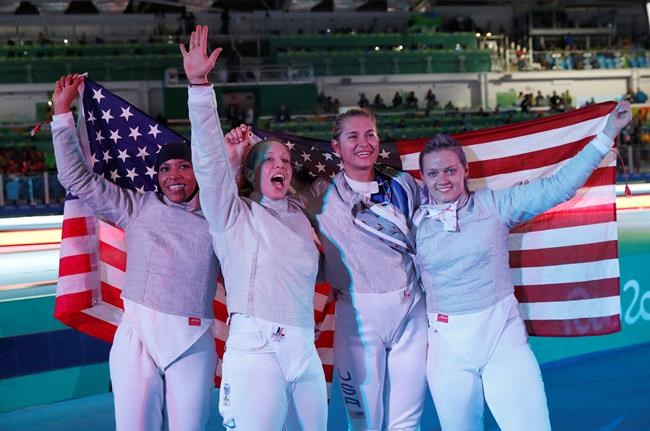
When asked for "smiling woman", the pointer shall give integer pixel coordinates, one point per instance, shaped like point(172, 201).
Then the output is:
point(175, 174)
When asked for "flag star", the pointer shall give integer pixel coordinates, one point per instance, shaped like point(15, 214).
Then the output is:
point(99, 138)
point(305, 157)
point(135, 133)
point(106, 115)
point(328, 156)
point(332, 175)
point(298, 166)
point(159, 147)
point(142, 152)
point(139, 189)
point(384, 154)
point(290, 145)
point(93, 159)
point(130, 173)
point(115, 136)
point(150, 171)
point(126, 113)
point(123, 155)
point(312, 174)
point(153, 130)
point(155, 189)
point(340, 165)
point(320, 167)
point(97, 95)
point(91, 117)
point(115, 175)
point(107, 156)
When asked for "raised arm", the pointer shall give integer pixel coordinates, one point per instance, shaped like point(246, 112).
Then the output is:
point(109, 201)
point(217, 182)
point(523, 202)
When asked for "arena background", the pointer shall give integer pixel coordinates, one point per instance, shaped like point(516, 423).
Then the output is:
point(291, 65)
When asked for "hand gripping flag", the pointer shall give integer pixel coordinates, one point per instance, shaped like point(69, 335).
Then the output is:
point(564, 262)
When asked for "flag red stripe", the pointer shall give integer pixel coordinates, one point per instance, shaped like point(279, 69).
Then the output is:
point(570, 218)
point(112, 295)
point(75, 264)
point(325, 338)
point(539, 125)
point(574, 327)
point(112, 256)
point(68, 308)
point(568, 291)
point(73, 227)
point(72, 303)
point(220, 310)
point(564, 255)
point(604, 176)
point(529, 160)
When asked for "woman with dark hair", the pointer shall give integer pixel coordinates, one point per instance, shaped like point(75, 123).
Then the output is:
point(270, 263)
point(478, 350)
point(162, 362)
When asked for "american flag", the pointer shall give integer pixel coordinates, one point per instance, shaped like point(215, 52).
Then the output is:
point(120, 142)
point(564, 262)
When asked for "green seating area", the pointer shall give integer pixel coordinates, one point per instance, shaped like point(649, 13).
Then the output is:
point(389, 62)
point(381, 54)
point(110, 62)
point(333, 42)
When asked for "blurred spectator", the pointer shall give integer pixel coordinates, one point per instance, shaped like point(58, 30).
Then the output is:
point(431, 100)
point(526, 102)
point(378, 102)
point(336, 106)
point(249, 117)
point(555, 101)
point(363, 101)
point(640, 96)
point(539, 99)
point(282, 115)
point(411, 100)
point(397, 100)
point(567, 100)
point(450, 106)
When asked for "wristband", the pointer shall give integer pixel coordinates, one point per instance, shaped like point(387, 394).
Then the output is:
point(201, 85)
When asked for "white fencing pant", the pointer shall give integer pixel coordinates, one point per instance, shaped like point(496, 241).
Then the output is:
point(142, 391)
point(266, 367)
point(485, 354)
point(380, 347)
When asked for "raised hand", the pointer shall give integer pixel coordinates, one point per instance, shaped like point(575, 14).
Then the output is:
point(620, 116)
point(196, 62)
point(238, 143)
point(65, 92)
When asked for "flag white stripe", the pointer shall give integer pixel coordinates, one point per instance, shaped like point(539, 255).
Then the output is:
point(112, 275)
point(502, 181)
point(562, 237)
point(569, 273)
point(77, 245)
point(105, 312)
point(565, 310)
point(76, 283)
point(111, 235)
point(588, 197)
point(326, 355)
point(535, 141)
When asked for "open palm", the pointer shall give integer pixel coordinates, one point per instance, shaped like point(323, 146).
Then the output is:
point(196, 61)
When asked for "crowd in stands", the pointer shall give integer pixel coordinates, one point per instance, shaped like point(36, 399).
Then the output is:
point(21, 160)
point(555, 102)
